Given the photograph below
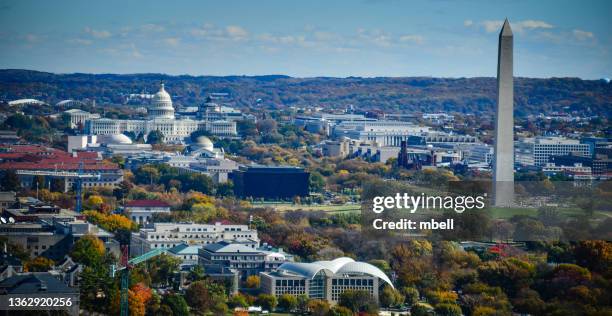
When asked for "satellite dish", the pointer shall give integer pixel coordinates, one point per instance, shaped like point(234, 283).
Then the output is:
point(3, 220)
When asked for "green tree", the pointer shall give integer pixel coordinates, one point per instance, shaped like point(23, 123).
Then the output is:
point(88, 250)
point(340, 311)
point(203, 296)
point(419, 310)
point(287, 302)
point(10, 181)
point(266, 301)
point(358, 301)
point(302, 300)
point(447, 309)
point(317, 182)
point(177, 304)
point(162, 269)
point(155, 137)
point(411, 295)
point(390, 297)
point(238, 300)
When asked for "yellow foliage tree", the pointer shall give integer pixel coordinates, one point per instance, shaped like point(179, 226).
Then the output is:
point(110, 222)
point(38, 264)
point(253, 281)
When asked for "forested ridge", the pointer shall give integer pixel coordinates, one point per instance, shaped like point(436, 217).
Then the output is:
point(388, 94)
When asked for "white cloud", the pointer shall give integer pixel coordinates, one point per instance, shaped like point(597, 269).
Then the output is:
point(582, 35)
point(491, 26)
point(468, 23)
point(418, 39)
point(212, 32)
point(134, 51)
point(32, 38)
point(376, 37)
point(172, 41)
point(98, 33)
point(236, 32)
point(80, 41)
point(534, 24)
point(151, 27)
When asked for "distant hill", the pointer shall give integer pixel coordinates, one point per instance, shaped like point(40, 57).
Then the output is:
point(405, 94)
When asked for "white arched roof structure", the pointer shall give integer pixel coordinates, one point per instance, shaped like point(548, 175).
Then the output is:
point(342, 265)
point(69, 102)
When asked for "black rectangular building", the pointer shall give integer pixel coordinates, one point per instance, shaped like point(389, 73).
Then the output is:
point(270, 182)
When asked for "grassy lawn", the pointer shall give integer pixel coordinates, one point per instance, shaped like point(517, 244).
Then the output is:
point(283, 207)
point(505, 213)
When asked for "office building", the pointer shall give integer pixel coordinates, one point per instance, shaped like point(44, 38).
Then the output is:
point(141, 211)
point(54, 238)
point(384, 133)
point(270, 182)
point(536, 151)
point(240, 258)
point(31, 161)
point(168, 235)
point(324, 280)
point(77, 118)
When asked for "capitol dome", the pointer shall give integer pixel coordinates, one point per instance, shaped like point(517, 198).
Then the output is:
point(205, 143)
point(161, 106)
point(115, 139)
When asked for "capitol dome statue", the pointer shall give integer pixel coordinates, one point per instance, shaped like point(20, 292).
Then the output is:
point(161, 106)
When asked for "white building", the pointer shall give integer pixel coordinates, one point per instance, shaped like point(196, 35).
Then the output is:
point(577, 171)
point(79, 117)
point(108, 145)
point(168, 235)
point(535, 151)
point(161, 118)
point(384, 133)
point(141, 211)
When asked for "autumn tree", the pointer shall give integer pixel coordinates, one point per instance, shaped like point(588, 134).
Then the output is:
point(162, 269)
point(287, 302)
point(88, 250)
point(176, 303)
point(358, 301)
point(253, 281)
point(38, 264)
point(267, 301)
point(318, 307)
point(390, 297)
point(203, 296)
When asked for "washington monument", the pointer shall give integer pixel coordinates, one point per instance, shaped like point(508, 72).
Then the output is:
point(503, 164)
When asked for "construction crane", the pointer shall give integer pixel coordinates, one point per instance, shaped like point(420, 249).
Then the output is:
point(125, 267)
point(77, 176)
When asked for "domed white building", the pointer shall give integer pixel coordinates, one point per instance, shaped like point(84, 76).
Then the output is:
point(161, 118)
point(115, 139)
point(205, 143)
point(325, 280)
point(161, 105)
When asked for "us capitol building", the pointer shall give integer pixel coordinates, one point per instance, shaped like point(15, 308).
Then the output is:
point(160, 117)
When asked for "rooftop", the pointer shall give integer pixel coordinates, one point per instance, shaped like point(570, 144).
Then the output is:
point(35, 283)
point(147, 203)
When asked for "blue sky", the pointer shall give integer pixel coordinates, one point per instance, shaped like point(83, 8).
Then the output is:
point(367, 38)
